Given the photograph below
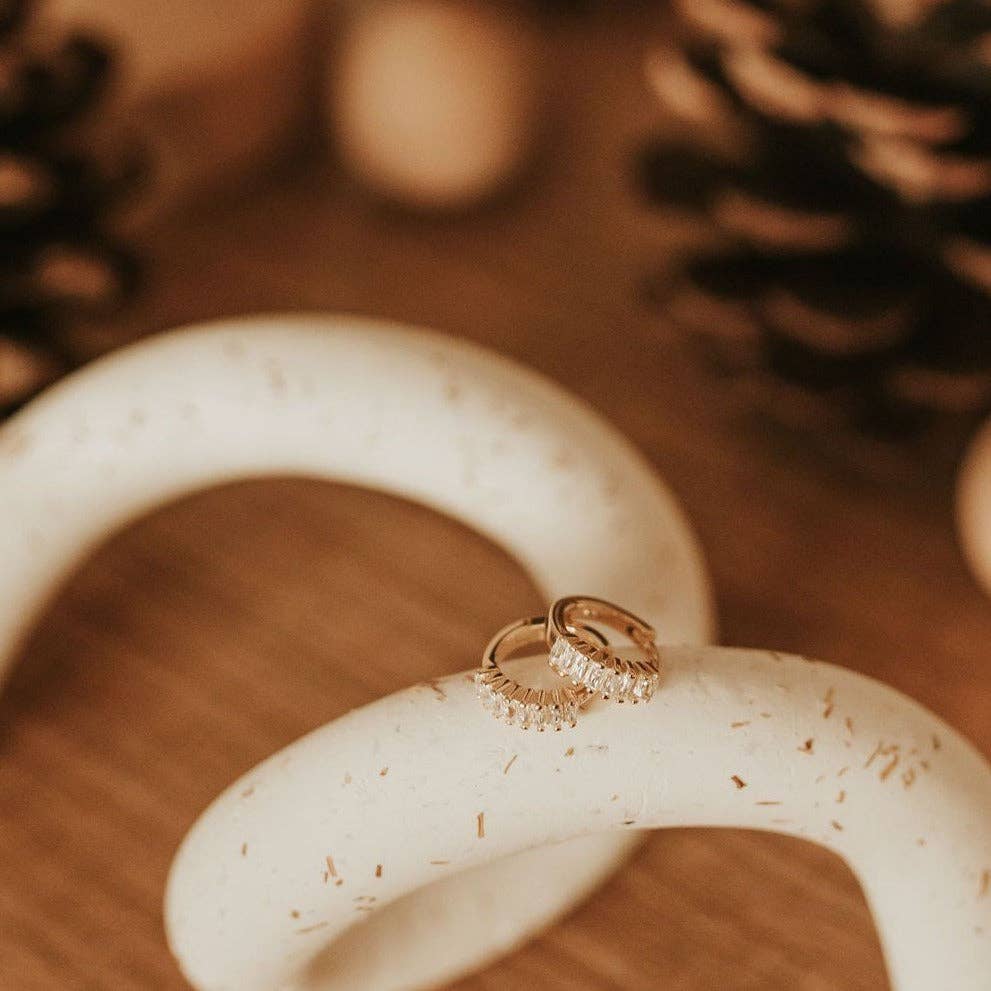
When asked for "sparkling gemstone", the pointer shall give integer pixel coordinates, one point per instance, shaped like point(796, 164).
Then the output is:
point(579, 669)
point(562, 657)
point(622, 683)
point(595, 677)
point(575, 654)
point(610, 685)
point(641, 690)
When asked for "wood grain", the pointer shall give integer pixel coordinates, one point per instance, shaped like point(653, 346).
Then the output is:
point(223, 627)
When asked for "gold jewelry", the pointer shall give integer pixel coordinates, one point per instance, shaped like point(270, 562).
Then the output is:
point(595, 667)
point(528, 708)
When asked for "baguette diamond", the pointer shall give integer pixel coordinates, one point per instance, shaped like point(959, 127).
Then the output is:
point(601, 671)
point(551, 710)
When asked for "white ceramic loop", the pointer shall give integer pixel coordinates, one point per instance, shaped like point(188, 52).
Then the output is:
point(493, 445)
point(409, 412)
point(734, 738)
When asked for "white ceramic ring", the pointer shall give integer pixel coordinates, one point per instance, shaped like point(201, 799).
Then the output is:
point(409, 412)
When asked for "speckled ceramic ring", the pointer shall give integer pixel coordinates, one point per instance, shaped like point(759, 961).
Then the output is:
point(588, 662)
point(507, 699)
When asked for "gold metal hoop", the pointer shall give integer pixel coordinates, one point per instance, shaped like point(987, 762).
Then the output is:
point(506, 698)
point(595, 666)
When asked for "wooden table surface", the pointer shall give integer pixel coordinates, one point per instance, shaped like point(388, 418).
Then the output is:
point(221, 628)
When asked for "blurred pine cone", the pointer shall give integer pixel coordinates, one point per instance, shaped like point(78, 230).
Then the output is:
point(840, 152)
point(58, 263)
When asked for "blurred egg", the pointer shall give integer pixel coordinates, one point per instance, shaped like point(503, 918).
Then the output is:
point(974, 506)
point(433, 102)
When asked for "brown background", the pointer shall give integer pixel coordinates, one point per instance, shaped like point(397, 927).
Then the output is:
point(201, 639)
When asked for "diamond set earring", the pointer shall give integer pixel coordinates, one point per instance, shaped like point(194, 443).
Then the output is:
point(581, 657)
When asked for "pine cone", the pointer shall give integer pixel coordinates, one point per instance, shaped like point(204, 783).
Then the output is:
point(849, 194)
point(58, 261)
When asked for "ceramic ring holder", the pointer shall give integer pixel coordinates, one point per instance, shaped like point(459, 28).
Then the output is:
point(445, 859)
